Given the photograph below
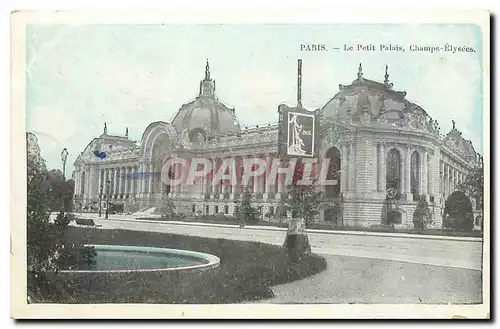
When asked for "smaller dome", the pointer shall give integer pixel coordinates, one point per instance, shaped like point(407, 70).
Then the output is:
point(455, 140)
point(206, 113)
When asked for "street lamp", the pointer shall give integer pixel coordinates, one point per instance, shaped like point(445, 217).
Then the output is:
point(64, 157)
point(108, 183)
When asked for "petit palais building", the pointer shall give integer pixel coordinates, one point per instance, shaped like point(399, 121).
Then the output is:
point(378, 140)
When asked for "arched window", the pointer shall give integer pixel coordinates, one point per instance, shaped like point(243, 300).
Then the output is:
point(415, 175)
point(333, 172)
point(393, 171)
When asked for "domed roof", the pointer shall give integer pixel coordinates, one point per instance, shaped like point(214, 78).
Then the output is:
point(370, 97)
point(455, 140)
point(206, 112)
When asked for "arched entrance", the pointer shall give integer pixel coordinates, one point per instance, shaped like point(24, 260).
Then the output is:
point(333, 215)
point(333, 173)
point(394, 217)
point(160, 151)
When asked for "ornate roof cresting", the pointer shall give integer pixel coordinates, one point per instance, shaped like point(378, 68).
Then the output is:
point(207, 72)
point(387, 82)
point(360, 72)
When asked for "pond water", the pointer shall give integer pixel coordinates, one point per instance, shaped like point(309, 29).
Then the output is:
point(119, 260)
point(136, 258)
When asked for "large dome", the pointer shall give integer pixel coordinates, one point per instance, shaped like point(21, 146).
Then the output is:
point(206, 113)
point(371, 97)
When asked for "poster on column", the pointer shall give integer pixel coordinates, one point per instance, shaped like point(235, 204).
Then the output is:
point(405, 235)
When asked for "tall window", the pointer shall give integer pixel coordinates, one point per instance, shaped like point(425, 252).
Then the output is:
point(333, 172)
point(393, 171)
point(415, 175)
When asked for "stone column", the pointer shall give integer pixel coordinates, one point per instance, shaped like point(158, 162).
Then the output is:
point(126, 179)
point(75, 192)
point(343, 168)
point(109, 177)
point(425, 168)
point(115, 183)
point(206, 185)
point(214, 181)
point(144, 178)
point(441, 178)
point(279, 185)
point(150, 178)
point(267, 186)
point(430, 173)
point(452, 178)
point(138, 180)
point(120, 182)
point(351, 185)
point(455, 180)
point(91, 180)
point(101, 183)
point(408, 171)
point(262, 183)
point(134, 181)
point(381, 168)
point(446, 180)
point(402, 175)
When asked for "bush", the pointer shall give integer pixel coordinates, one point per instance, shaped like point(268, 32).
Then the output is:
point(245, 212)
point(167, 208)
point(85, 221)
point(422, 215)
point(458, 213)
point(132, 208)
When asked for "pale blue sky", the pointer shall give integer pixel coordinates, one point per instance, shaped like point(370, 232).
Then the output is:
point(78, 77)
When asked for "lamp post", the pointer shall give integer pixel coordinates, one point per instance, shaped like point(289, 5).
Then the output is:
point(108, 183)
point(64, 158)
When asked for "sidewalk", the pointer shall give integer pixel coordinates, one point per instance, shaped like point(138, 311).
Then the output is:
point(133, 218)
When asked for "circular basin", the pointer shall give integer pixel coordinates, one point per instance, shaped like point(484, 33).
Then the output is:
point(113, 259)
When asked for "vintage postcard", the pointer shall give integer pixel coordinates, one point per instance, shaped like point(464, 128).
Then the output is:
point(263, 164)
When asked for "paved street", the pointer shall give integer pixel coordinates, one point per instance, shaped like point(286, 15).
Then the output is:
point(364, 280)
point(450, 252)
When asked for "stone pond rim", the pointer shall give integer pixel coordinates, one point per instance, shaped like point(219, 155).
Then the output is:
point(199, 260)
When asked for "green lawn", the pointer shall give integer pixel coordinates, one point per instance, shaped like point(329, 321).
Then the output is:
point(247, 271)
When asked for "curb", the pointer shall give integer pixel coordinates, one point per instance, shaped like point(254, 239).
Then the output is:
point(273, 228)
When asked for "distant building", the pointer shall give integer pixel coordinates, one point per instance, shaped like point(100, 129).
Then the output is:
point(390, 153)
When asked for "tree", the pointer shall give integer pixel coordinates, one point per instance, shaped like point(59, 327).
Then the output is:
point(244, 210)
point(61, 191)
point(303, 204)
point(473, 186)
point(167, 208)
point(458, 213)
point(47, 249)
point(422, 215)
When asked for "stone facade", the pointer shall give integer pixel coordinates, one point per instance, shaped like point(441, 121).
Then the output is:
point(381, 140)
